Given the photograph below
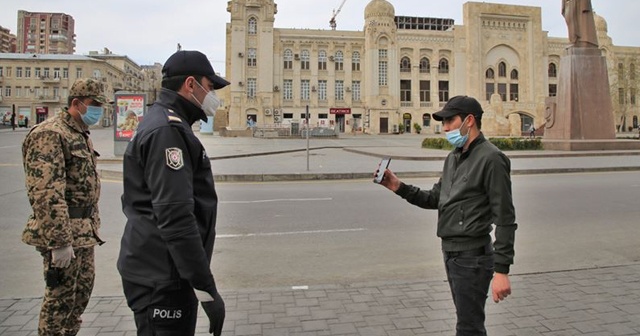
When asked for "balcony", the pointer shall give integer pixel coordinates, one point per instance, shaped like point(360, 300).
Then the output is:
point(49, 99)
point(49, 80)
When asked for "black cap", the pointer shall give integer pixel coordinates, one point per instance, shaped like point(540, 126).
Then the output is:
point(191, 63)
point(459, 105)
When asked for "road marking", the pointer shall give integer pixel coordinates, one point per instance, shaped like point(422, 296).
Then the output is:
point(299, 287)
point(266, 234)
point(280, 200)
point(10, 165)
point(3, 147)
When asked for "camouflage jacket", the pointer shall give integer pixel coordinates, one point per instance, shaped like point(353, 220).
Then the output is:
point(62, 184)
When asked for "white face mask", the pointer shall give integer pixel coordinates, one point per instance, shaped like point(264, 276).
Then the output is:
point(210, 104)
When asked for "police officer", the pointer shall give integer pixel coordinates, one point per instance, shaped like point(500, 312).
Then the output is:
point(63, 189)
point(170, 203)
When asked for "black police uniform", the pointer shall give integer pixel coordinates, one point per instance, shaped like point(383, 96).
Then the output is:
point(170, 203)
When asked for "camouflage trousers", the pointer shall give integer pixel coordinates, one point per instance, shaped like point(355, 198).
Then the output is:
point(64, 303)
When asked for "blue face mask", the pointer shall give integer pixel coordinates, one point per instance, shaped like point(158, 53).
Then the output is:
point(455, 138)
point(93, 114)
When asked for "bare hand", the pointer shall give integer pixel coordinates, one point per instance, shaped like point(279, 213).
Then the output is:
point(389, 180)
point(501, 287)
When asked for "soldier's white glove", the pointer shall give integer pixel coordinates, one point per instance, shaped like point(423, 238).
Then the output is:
point(61, 257)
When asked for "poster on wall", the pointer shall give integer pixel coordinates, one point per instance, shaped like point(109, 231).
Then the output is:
point(129, 111)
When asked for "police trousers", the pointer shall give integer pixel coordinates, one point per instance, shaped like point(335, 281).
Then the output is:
point(469, 274)
point(66, 294)
point(162, 310)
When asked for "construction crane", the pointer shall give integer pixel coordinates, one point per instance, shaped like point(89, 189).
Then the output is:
point(332, 22)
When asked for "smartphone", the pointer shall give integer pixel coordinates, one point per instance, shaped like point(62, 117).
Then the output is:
point(384, 164)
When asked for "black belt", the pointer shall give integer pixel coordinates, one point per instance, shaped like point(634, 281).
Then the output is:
point(80, 212)
point(476, 252)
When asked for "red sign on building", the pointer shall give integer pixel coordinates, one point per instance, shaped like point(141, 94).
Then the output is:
point(341, 110)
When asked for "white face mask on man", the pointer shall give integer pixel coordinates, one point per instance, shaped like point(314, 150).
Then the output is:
point(211, 102)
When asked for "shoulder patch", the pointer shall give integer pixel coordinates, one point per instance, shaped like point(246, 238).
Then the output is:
point(174, 119)
point(174, 158)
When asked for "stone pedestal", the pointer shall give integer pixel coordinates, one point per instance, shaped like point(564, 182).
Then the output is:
point(583, 108)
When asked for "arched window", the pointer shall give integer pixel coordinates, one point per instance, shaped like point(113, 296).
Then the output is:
point(502, 69)
point(322, 60)
point(443, 66)
point(553, 70)
point(288, 59)
point(514, 74)
point(339, 60)
point(355, 61)
point(489, 74)
point(304, 60)
point(253, 26)
point(424, 65)
point(405, 64)
point(632, 71)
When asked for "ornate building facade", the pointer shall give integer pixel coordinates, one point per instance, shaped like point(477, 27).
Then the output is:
point(399, 70)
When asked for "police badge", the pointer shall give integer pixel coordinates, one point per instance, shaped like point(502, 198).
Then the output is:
point(174, 158)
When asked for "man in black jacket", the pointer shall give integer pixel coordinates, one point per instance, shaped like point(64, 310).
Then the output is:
point(473, 193)
point(170, 203)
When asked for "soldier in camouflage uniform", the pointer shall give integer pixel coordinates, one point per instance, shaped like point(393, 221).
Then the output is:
point(63, 189)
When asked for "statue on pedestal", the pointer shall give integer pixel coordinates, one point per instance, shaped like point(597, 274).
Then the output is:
point(579, 17)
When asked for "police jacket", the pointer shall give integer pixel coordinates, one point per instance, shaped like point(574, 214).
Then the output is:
point(169, 200)
point(473, 193)
point(62, 184)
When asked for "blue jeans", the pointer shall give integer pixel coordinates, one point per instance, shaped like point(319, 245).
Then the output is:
point(469, 274)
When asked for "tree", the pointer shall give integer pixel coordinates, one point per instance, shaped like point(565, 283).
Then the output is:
point(624, 83)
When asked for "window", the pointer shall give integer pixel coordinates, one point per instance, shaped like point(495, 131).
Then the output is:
point(425, 91)
point(405, 64)
point(632, 96)
point(97, 73)
point(27, 90)
point(38, 73)
point(490, 89)
point(45, 73)
point(553, 90)
point(56, 92)
point(339, 90)
point(443, 67)
point(322, 90)
point(65, 73)
point(1, 72)
point(304, 60)
point(502, 91)
point(424, 65)
point(304, 89)
point(253, 26)
point(56, 72)
point(405, 91)
point(443, 91)
point(7, 91)
point(514, 74)
point(37, 91)
point(27, 72)
point(553, 70)
point(252, 57)
point(339, 60)
point(502, 69)
point(632, 71)
point(489, 74)
point(322, 60)
point(355, 61)
point(7, 72)
point(287, 89)
point(288, 59)
point(18, 72)
point(18, 91)
point(382, 67)
point(252, 86)
point(513, 92)
point(621, 99)
point(355, 90)
point(78, 73)
point(620, 70)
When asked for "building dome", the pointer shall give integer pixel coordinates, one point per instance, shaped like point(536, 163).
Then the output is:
point(601, 23)
point(379, 8)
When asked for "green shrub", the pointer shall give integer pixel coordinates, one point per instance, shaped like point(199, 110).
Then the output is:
point(502, 143)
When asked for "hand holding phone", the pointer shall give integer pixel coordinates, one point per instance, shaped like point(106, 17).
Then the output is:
point(384, 164)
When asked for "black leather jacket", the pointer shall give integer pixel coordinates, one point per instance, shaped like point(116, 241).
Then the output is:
point(473, 193)
point(169, 200)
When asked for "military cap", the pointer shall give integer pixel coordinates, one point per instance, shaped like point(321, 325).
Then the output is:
point(88, 87)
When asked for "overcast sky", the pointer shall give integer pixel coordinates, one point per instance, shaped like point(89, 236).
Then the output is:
point(148, 30)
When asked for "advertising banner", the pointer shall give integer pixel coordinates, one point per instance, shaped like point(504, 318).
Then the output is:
point(337, 110)
point(129, 111)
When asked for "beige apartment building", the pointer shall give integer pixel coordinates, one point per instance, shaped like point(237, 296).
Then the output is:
point(45, 33)
point(399, 70)
point(37, 85)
